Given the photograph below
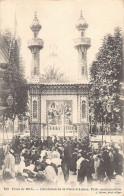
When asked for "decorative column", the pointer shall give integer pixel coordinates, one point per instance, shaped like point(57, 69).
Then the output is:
point(35, 111)
point(82, 44)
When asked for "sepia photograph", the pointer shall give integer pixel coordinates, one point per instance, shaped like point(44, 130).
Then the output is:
point(61, 97)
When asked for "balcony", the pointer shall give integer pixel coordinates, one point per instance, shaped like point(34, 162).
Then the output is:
point(36, 42)
point(82, 41)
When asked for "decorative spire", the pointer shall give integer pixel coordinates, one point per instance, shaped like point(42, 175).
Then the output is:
point(35, 27)
point(35, 14)
point(81, 24)
point(15, 26)
point(81, 14)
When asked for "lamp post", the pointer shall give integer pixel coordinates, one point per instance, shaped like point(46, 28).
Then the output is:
point(90, 121)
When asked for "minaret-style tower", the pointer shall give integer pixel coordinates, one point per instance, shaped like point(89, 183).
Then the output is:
point(35, 45)
point(82, 44)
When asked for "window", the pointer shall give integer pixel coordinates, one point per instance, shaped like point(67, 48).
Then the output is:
point(34, 90)
point(82, 70)
point(35, 70)
point(34, 109)
point(83, 109)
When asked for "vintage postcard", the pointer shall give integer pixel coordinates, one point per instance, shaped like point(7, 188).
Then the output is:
point(61, 97)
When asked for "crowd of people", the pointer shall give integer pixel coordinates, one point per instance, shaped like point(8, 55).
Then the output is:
point(51, 160)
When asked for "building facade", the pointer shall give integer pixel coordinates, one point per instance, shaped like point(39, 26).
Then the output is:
point(56, 107)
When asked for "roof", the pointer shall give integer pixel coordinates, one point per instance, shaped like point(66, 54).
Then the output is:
point(59, 84)
point(38, 80)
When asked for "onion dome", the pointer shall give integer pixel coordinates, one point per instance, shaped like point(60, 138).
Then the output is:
point(35, 26)
point(81, 24)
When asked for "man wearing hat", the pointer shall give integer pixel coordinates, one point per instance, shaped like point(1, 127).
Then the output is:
point(65, 162)
point(35, 156)
point(74, 160)
point(82, 167)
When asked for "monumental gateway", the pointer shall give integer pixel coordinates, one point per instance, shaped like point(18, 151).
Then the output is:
point(59, 108)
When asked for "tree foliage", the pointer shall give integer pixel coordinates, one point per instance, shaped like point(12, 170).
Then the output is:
point(53, 74)
point(14, 79)
point(106, 75)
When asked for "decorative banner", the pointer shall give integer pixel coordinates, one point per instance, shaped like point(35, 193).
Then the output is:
point(59, 112)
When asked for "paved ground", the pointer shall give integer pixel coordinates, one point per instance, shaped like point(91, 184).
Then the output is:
point(72, 183)
point(114, 187)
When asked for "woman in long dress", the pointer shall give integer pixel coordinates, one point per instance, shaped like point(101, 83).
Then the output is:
point(9, 165)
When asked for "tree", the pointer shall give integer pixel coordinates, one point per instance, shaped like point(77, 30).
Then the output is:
point(53, 73)
point(14, 79)
point(106, 75)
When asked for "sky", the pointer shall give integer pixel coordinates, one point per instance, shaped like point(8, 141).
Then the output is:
point(58, 19)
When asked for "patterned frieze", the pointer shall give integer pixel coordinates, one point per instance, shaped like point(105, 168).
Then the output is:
point(59, 89)
point(83, 89)
point(34, 89)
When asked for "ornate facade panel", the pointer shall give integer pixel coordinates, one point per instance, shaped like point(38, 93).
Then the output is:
point(59, 112)
point(58, 107)
point(35, 109)
point(78, 108)
point(84, 107)
point(57, 103)
point(35, 130)
point(82, 129)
